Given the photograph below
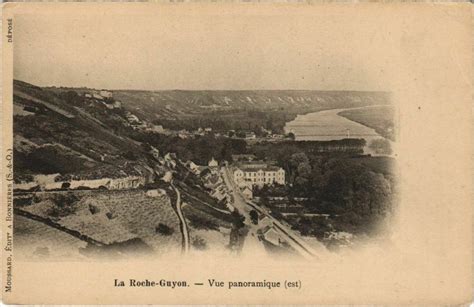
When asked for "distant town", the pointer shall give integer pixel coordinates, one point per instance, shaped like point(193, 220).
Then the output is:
point(103, 173)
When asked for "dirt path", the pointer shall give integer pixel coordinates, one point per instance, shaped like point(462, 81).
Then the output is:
point(184, 226)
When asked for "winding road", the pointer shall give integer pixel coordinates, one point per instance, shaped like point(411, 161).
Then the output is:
point(184, 226)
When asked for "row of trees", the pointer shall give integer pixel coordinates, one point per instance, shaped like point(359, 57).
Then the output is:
point(248, 120)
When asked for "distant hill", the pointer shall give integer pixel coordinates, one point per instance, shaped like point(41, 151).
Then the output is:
point(176, 103)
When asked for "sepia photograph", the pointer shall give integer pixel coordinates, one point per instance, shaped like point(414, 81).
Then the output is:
point(173, 153)
point(206, 153)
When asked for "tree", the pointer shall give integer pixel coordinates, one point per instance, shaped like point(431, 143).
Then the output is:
point(298, 158)
point(164, 229)
point(372, 193)
point(130, 155)
point(318, 180)
point(238, 219)
point(199, 243)
point(72, 97)
point(145, 146)
point(254, 216)
point(381, 146)
point(295, 161)
point(304, 170)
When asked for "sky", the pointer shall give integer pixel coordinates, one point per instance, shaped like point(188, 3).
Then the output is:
point(237, 50)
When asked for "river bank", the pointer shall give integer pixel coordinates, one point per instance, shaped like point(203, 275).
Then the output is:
point(330, 125)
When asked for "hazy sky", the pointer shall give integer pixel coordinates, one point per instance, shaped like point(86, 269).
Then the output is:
point(208, 51)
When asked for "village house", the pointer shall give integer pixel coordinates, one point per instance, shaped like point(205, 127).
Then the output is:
point(155, 193)
point(269, 234)
point(157, 128)
point(167, 177)
point(247, 192)
point(265, 221)
point(218, 194)
point(193, 167)
point(110, 104)
point(169, 159)
point(117, 104)
point(250, 135)
point(276, 136)
point(199, 131)
point(105, 94)
point(183, 134)
point(213, 163)
point(132, 119)
point(97, 96)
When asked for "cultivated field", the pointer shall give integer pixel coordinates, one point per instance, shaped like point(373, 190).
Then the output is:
point(108, 217)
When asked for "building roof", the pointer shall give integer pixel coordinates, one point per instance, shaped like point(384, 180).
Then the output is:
point(251, 169)
point(243, 156)
point(246, 188)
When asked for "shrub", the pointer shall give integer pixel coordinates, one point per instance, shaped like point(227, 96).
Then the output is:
point(199, 243)
point(164, 229)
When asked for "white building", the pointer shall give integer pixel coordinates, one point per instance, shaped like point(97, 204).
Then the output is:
point(169, 159)
point(213, 163)
point(250, 135)
point(155, 193)
point(105, 94)
point(247, 192)
point(259, 176)
point(132, 119)
point(97, 96)
point(269, 234)
point(117, 104)
point(193, 167)
point(157, 128)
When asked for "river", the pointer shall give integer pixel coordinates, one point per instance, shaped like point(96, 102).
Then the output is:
point(328, 125)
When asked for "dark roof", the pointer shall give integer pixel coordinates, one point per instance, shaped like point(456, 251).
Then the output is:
point(256, 169)
point(243, 156)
